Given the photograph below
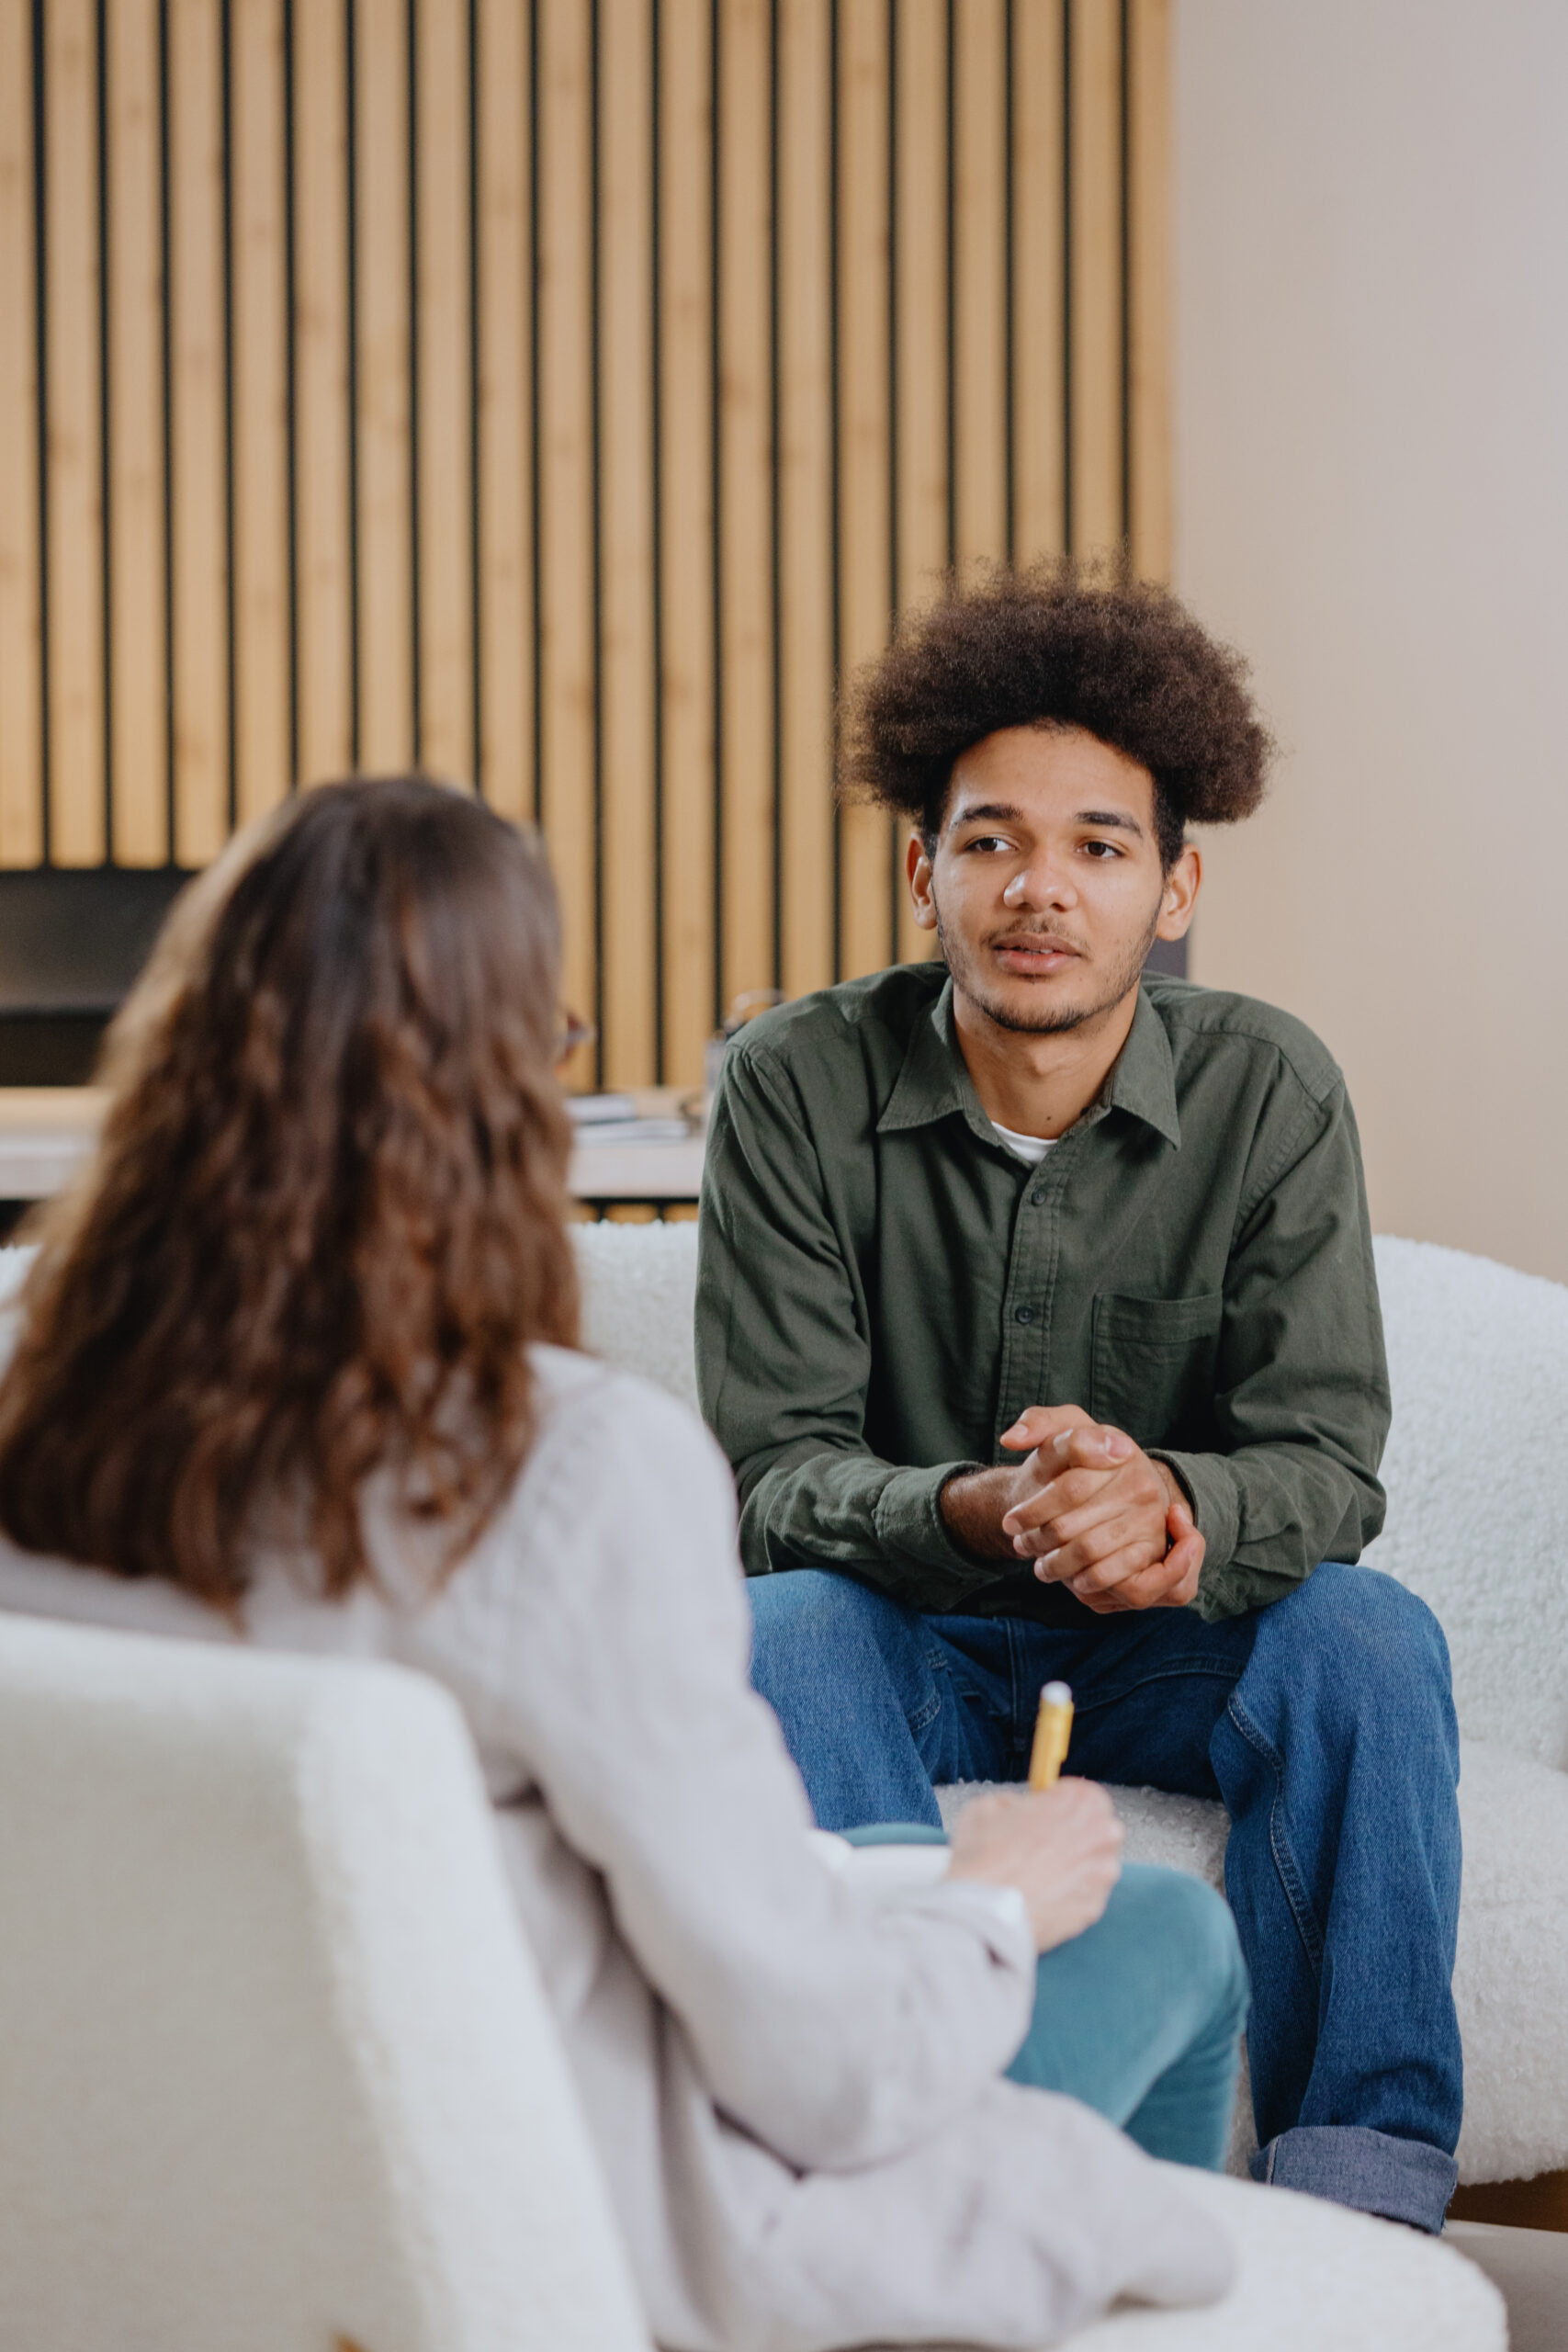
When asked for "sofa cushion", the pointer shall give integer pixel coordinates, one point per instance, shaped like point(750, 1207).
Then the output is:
point(1511, 1979)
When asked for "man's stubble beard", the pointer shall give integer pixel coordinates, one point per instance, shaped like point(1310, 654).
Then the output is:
point(1052, 1022)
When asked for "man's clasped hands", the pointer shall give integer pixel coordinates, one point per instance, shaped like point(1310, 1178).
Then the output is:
point(1088, 1507)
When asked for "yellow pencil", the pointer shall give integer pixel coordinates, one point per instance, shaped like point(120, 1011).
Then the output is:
point(1053, 1729)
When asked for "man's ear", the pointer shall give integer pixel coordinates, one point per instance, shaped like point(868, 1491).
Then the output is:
point(918, 869)
point(1178, 894)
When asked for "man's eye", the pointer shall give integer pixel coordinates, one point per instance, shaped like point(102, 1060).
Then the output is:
point(988, 840)
point(1102, 850)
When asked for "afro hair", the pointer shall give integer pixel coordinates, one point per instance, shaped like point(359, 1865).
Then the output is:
point(1055, 646)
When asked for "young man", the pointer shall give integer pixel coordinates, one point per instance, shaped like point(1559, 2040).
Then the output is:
point(1038, 1318)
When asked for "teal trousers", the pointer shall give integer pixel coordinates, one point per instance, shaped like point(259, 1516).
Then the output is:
point(1141, 2016)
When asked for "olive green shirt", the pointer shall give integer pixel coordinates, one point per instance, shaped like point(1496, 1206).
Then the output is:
point(884, 1287)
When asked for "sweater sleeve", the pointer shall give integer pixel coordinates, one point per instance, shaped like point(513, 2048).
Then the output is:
point(836, 2031)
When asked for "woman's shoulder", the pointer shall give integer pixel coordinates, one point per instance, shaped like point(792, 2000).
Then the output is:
point(586, 1405)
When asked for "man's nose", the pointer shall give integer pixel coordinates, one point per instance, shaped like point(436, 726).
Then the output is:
point(1043, 882)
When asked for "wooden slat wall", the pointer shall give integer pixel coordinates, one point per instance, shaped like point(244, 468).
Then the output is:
point(560, 395)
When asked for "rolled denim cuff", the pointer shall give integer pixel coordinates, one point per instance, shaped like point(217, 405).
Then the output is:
point(1402, 2180)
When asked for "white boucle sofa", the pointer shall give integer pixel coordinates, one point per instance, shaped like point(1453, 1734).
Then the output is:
point(1477, 1481)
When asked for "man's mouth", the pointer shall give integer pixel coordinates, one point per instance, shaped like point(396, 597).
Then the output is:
point(1033, 957)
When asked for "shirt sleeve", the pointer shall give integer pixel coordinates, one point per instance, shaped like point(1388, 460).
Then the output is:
point(783, 1363)
point(1302, 1401)
point(838, 2031)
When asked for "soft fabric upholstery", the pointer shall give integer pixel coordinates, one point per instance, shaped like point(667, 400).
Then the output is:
point(279, 2072)
point(1477, 1525)
point(276, 2067)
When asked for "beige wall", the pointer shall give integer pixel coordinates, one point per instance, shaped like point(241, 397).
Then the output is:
point(1371, 483)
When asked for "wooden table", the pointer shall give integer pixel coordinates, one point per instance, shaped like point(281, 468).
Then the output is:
point(46, 1133)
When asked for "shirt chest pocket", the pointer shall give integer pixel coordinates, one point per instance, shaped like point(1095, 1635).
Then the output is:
point(1152, 1366)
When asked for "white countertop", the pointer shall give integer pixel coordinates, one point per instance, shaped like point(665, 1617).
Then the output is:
point(46, 1132)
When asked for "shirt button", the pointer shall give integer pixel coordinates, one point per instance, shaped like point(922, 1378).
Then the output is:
point(1037, 1200)
point(1024, 1314)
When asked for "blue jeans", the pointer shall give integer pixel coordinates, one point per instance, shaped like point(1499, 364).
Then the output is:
point(1325, 1725)
point(1141, 2016)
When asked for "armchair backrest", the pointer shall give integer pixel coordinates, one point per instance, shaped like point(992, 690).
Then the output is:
point(276, 2067)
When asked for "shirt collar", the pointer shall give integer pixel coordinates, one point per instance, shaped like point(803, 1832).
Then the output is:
point(934, 1080)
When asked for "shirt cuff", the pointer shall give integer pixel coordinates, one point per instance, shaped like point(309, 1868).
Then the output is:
point(1209, 1485)
point(909, 1520)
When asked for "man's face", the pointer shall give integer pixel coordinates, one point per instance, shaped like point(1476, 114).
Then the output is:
point(1045, 887)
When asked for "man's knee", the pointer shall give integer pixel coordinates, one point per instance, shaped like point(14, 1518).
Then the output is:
point(799, 1614)
point(1357, 1634)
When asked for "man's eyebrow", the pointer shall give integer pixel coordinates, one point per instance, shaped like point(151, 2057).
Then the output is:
point(1117, 820)
point(1002, 812)
point(999, 812)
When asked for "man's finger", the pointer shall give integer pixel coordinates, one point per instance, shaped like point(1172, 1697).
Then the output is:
point(1038, 1424)
point(1071, 1491)
point(1169, 1583)
point(1105, 1556)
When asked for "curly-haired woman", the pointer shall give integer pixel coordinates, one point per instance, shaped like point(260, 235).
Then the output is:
point(295, 1364)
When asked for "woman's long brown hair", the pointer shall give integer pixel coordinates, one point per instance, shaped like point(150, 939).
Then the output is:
point(327, 1212)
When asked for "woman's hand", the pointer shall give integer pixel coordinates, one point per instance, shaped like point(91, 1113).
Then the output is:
point(1061, 1847)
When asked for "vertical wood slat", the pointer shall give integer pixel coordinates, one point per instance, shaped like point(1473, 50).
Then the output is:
point(74, 618)
point(745, 373)
point(259, 273)
point(1094, 100)
point(625, 460)
point(21, 644)
point(505, 619)
point(1148, 292)
point(567, 684)
point(384, 450)
point(444, 584)
point(922, 300)
point(866, 589)
point(322, 647)
point(980, 292)
point(1037, 292)
point(689, 984)
point(804, 501)
point(199, 431)
point(137, 721)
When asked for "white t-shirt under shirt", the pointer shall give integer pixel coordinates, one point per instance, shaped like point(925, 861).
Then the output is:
point(1031, 1149)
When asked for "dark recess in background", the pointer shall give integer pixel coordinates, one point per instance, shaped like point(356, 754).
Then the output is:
point(72, 941)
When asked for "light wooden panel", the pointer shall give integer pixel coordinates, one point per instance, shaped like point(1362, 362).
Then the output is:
point(505, 405)
point(1037, 289)
point(689, 994)
point(21, 646)
point(198, 436)
point(496, 446)
point(629, 990)
point(138, 678)
point(1096, 455)
point(805, 650)
point(1148, 200)
point(865, 588)
point(384, 503)
point(74, 508)
point(922, 196)
point(569, 681)
point(264, 762)
point(745, 429)
point(324, 611)
point(980, 209)
point(446, 510)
